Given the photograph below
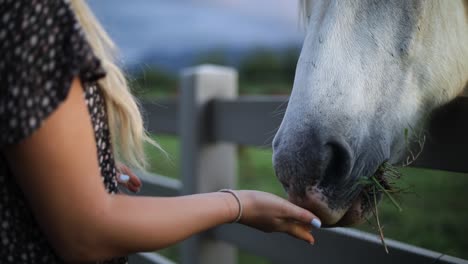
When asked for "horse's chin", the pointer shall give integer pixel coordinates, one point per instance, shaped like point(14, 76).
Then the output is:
point(355, 214)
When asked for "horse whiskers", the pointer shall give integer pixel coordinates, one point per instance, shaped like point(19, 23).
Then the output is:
point(413, 156)
point(280, 106)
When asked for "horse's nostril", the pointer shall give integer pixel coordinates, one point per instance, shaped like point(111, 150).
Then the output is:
point(337, 162)
point(312, 161)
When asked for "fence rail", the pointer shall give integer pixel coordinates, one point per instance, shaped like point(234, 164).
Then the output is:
point(254, 120)
point(210, 121)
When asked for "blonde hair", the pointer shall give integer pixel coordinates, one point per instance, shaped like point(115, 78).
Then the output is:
point(123, 111)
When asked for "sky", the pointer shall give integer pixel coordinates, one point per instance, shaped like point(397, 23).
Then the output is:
point(174, 27)
point(285, 10)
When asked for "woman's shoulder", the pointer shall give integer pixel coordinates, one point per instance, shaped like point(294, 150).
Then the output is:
point(43, 48)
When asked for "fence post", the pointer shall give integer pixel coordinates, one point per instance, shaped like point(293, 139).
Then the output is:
point(206, 165)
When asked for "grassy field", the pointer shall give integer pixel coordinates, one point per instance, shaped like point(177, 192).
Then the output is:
point(435, 212)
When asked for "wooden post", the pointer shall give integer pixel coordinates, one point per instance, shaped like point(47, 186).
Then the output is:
point(206, 165)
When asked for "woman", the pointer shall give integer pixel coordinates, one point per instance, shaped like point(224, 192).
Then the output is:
point(65, 113)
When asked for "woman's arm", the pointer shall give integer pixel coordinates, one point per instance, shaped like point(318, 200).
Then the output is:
point(57, 168)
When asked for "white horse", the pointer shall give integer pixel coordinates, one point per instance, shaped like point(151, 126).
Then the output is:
point(368, 70)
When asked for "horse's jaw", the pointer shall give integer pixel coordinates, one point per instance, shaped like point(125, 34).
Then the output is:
point(355, 213)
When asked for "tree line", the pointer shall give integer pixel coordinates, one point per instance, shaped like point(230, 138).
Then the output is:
point(261, 71)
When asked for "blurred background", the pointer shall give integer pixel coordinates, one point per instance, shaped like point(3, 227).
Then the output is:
point(158, 38)
point(262, 39)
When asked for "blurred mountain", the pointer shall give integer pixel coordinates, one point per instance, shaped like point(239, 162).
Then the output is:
point(175, 33)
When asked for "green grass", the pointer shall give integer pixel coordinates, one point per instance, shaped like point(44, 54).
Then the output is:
point(435, 212)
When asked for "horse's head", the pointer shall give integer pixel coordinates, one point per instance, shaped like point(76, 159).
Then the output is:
point(368, 71)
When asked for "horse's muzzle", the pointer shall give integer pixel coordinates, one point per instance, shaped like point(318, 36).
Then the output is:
point(317, 172)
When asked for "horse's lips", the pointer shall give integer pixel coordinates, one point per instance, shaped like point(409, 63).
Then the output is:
point(317, 203)
point(353, 215)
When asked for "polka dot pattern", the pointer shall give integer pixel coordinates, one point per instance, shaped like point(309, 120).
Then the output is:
point(42, 49)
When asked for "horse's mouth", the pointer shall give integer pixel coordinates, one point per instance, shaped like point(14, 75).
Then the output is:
point(365, 203)
point(361, 208)
point(355, 213)
point(362, 204)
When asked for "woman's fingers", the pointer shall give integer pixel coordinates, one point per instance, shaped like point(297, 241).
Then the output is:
point(300, 222)
point(128, 179)
point(316, 223)
point(270, 213)
point(304, 216)
point(131, 182)
point(300, 231)
point(134, 184)
point(134, 180)
point(123, 179)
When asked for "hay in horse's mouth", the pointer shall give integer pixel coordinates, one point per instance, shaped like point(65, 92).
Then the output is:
point(382, 182)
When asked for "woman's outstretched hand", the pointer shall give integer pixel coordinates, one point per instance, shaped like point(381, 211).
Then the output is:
point(270, 213)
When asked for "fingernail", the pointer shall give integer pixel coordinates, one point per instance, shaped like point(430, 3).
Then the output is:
point(316, 223)
point(312, 243)
point(124, 178)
